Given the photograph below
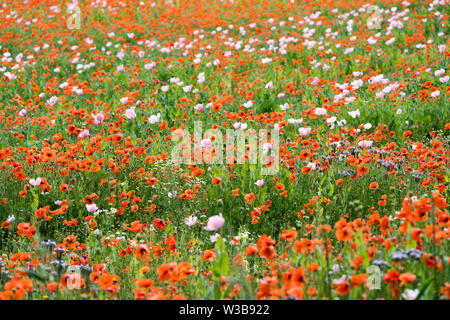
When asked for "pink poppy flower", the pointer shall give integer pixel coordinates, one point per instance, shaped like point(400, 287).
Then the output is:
point(91, 207)
point(85, 134)
point(98, 118)
point(214, 223)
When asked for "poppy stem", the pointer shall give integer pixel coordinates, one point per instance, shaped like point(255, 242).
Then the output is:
point(436, 285)
point(328, 268)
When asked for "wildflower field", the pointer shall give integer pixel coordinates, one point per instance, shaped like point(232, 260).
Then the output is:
point(235, 149)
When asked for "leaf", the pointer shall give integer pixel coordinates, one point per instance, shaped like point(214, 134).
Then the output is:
point(35, 203)
point(169, 229)
point(34, 275)
point(220, 245)
point(223, 264)
point(209, 292)
point(217, 291)
point(91, 240)
point(423, 289)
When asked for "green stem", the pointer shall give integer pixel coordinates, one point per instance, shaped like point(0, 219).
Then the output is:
point(328, 268)
point(436, 285)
